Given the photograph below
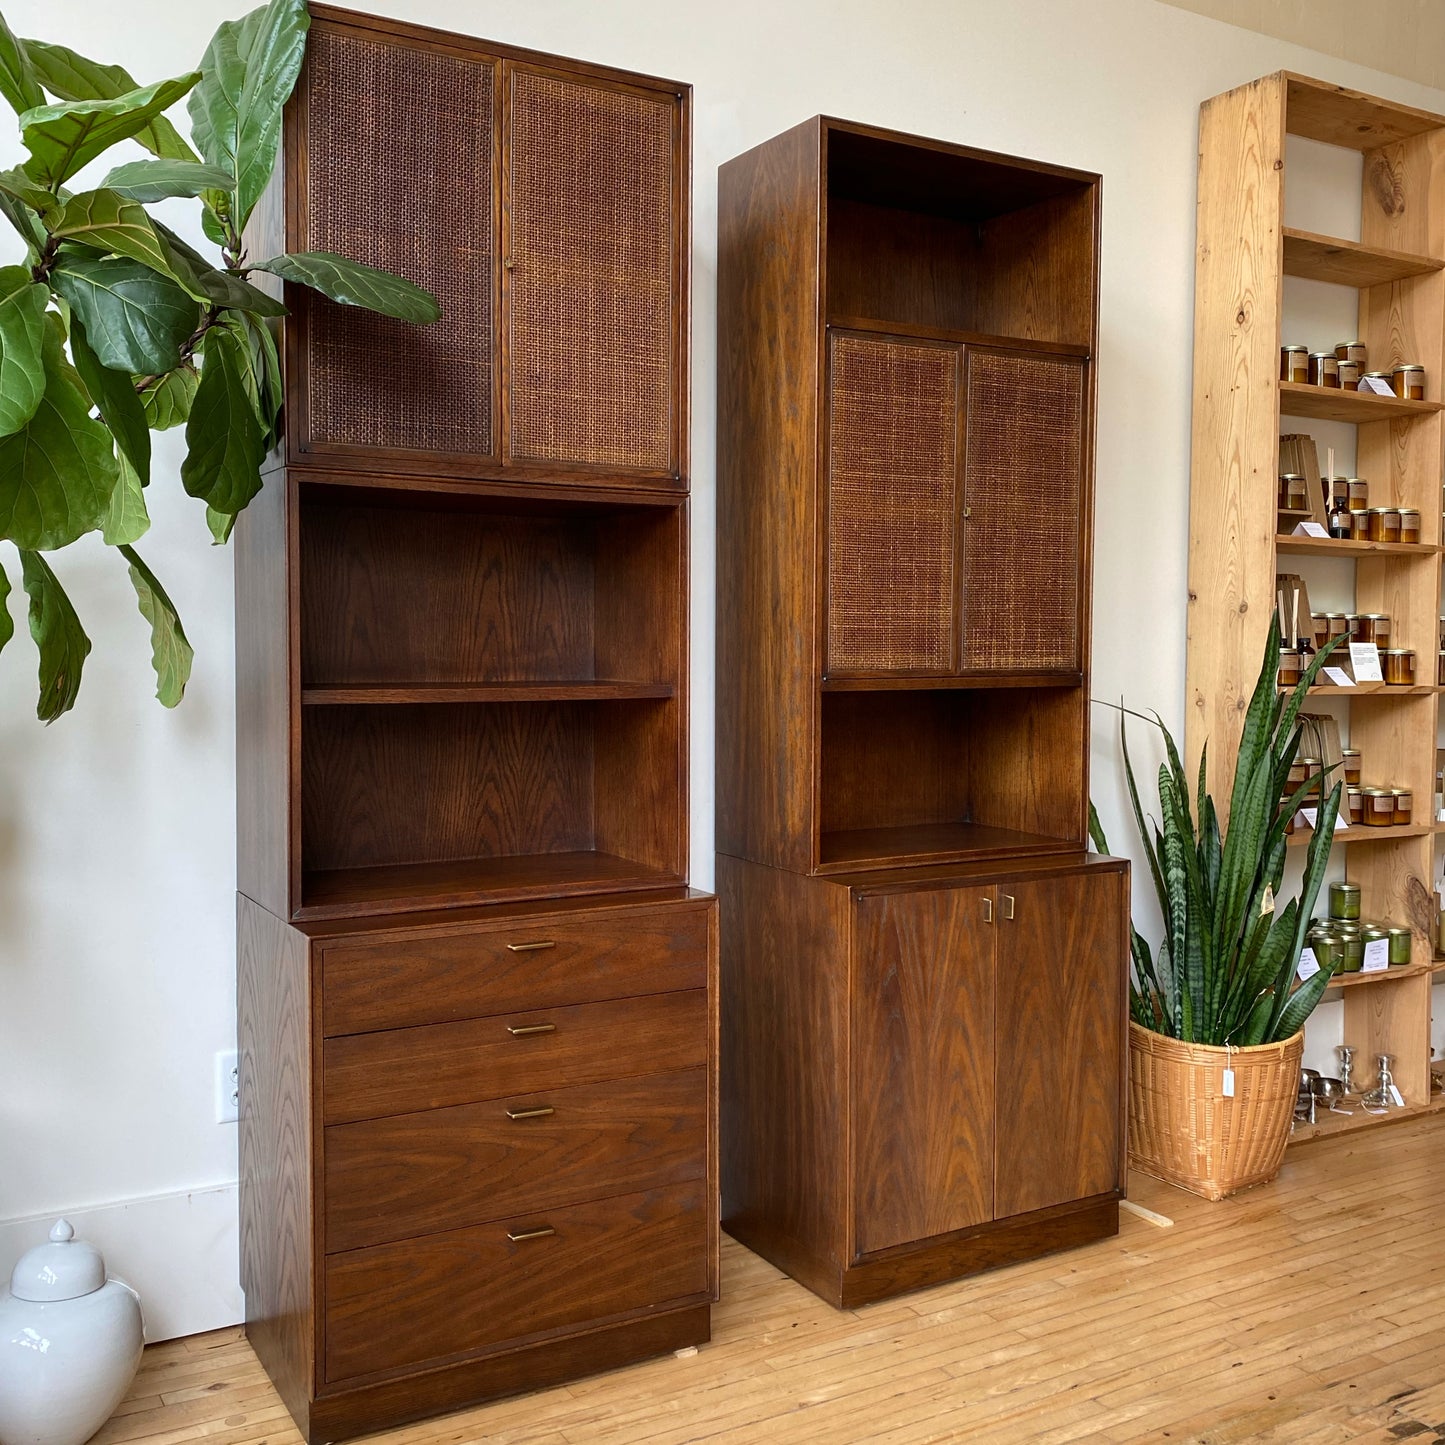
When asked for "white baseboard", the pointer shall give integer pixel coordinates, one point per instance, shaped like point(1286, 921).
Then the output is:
point(180, 1252)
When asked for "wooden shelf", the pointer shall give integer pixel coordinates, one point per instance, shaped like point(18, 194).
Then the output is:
point(931, 842)
point(408, 887)
point(897, 683)
point(1348, 547)
point(1369, 689)
point(1347, 263)
point(1323, 403)
point(1383, 975)
point(369, 693)
point(1358, 833)
point(1327, 1125)
point(1341, 117)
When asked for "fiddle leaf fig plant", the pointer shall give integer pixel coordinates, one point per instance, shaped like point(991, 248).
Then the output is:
point(113, 326)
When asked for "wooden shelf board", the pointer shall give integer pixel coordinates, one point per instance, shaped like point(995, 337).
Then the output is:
point(407, 887)
point(928, 843)
point(1348, 547)
point(1369, 689)
point(1328, 1125)
point(1341, 117)
point(1323, 403)
point(1358, 833)
point(1314, 257)
point(1384, 975)
point(368, 693)
point(896, 683)
point(1294, 511)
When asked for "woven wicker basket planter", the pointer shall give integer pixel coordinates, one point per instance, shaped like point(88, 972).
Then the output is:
point(1184, 1131)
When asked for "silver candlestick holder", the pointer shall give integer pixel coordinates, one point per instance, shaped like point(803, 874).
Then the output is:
point(1379, 1100)
point(1347, 1064)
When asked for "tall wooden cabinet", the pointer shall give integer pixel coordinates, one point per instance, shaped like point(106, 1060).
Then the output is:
point(923, 969)
point(477, 1002)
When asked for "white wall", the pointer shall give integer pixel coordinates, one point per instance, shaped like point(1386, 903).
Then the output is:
point(116, 824)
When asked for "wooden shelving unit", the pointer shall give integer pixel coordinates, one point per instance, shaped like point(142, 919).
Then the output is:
point(1398, 269)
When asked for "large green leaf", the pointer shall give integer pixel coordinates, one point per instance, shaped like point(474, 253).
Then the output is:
point(215, 286)
point(58, 471)
point(120, 408)
point(248, 72)
point(135, 318)
point(222, 524)
point(58, 635)
point(158, 180)
point(127, 519)
point(225, 447)
point(354, 284)
point(22, 202)
point(63, 138)
point(171, 654)
point(167, 400)
point(69, 76)
point(17, 75)
point(270, 396)
point(22, 330)
point(105, 221)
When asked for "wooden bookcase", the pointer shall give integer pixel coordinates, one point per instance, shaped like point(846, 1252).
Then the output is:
point(906, 339)
point(1245, 250)
point(477, 1001)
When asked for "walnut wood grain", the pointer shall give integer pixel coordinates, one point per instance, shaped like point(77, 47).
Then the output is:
point(1061, 979)
point(468, 1290)
point(922, 1055)
point(414, 1174)
point(522, 964)
point(399, 1071)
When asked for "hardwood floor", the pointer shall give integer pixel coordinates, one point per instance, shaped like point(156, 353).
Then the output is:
point(1306, 1311)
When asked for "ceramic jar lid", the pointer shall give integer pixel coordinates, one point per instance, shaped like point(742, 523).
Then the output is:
point(65, 1268)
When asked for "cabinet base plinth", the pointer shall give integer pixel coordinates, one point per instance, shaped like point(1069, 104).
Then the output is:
point(367, 1408)
point(936, 1261)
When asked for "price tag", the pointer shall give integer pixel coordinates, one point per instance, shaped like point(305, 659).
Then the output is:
point(1339, 677)
point(1229, 1083)
point(1365, 662)
point(1373, 383)
point(1377, 955)
point(1309, 965)
point(1397, 1097)
point(1309, 815)
point(1310, 529)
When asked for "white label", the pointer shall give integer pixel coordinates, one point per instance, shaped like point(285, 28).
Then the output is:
point(1373, 383)
point(1229, 1083)
point(1309, 815)
point(1365, 662)
point(1339, 677)
point(1309, 965)
point(1397, 1096)
point(1310, 529)
point(1377, 955)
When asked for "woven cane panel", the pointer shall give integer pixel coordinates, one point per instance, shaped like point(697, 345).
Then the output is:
point(400, 168)
point(892, 479)
point(1023, 459)
point(591, 275)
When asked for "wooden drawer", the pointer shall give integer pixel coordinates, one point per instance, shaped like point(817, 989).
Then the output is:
point(389, 1179)
point(469, 1289)
point(525, 964)
point(368, 1076)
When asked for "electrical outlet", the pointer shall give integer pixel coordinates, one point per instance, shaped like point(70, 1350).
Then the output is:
point(228, 1086)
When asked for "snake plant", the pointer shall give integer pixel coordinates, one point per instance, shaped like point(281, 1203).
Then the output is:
point(1225, 971)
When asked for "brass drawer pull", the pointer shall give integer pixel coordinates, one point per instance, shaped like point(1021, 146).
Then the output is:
point(541, 1112)
point(525, 1031)
point(1008, 906)
point(988, 910)
point(532, 947)
point(518, 1235)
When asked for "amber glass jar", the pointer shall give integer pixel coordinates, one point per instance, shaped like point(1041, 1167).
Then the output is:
point(1294, 363)
point(1379, 810)
point(1359, 494)
point(1409, 524)
point(1404, 806)
point(1340, 522)
point(1340, 491)
point(1293, 492)
point(1319, 629)
point(1355, 805)
point(1324, 369)
point(1398, 664)
point(1339, 624)
point(1407, 378)
point(1380, 623)
point(1380, 376)
point(1351, 351)
point(1351, 757)
point(1291, 666)
point(1384, 524)
point(1362, 627)
point(1349, 374)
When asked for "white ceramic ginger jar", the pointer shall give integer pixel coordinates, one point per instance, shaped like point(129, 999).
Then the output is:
point(70, 1343)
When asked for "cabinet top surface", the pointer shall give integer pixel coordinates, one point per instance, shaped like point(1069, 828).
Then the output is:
point(965, 875)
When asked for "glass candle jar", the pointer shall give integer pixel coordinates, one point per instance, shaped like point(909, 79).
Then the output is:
point(1408, 379)
point(1384, 378)
point(1351, 351)
point(1404, 802)
point(1374, 933)
point(1355, 805)
point(1345, 901)
point(1340, 491)
point(1362, 627)
point(1325, 943)
point(1339, 624)
point(1402, 943)
point(1384, 524)
point(1359, 494)
point(1351, 758)
point(1311, 767)
point(1398, 664)
point(1409, 524)
point(1380, 623)
point(1324, 369)
point(1379, 808)
point(1294, 363)
point(1319, 629)
point(1352, 953)
point(1349, 373)
point(1293, 492)
point(1291, 666)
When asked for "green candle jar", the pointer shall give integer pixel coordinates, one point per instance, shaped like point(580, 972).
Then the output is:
point(1401, 943)
point(1345, 901)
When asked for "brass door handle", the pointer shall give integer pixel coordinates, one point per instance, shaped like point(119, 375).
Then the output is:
point(541, 1112)
point(531, 947)
point(525, 1031)
point(988, 910)
point(518, 1235)
point(1008, 906)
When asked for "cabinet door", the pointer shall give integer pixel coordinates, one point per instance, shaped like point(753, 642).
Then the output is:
point(923, 1043)
point(592, 274)
point(1060, 1040)
point(399, 170)
point(892, 504)
point(1023, 488)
